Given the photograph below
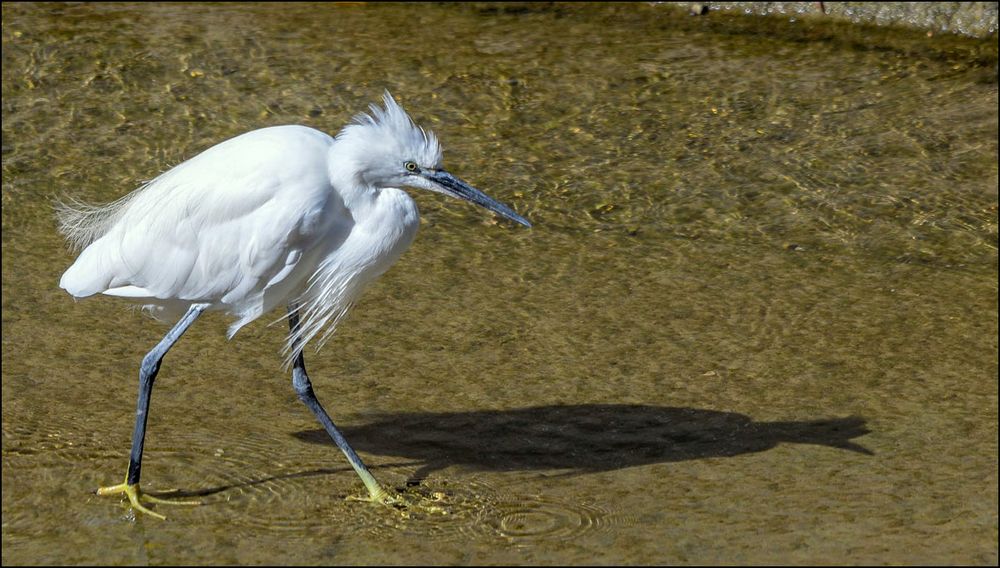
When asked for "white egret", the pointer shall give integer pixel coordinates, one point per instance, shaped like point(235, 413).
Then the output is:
point(285, 215)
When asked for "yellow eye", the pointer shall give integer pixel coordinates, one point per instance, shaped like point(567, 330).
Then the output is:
point(410, 166)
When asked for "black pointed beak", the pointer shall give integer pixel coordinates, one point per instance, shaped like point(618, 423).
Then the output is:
point(455, 187)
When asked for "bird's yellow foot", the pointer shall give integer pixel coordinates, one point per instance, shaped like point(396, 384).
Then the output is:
point(136, 496)
point(413, 503)
point(404, 500)
point(380, 495)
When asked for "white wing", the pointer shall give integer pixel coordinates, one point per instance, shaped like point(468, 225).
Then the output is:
point(222, 227)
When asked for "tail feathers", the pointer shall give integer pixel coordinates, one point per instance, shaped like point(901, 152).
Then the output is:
point(81, 281)
point(82, 223)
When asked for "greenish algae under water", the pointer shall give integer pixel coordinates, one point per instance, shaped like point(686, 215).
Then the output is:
point(755, 322)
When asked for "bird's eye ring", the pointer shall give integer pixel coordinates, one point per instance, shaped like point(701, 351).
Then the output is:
point(410, 166)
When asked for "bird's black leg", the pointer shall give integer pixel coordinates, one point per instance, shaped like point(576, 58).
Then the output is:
point(303, 387)
point(147, 374)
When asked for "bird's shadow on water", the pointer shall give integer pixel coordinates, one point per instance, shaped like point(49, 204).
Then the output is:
point(567, 439)
point(582, 438)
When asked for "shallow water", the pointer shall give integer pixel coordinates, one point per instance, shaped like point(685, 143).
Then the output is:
point(755, 321)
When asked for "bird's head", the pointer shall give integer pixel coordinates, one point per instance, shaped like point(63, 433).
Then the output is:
point(387, 149)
